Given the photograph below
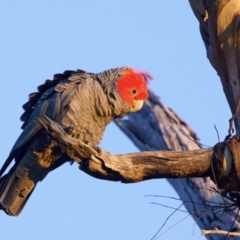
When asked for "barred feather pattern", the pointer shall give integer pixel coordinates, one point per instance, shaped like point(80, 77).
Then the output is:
point(86, 101)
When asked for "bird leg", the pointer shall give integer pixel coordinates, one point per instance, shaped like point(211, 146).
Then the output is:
point(75, 149)
point(98, 149)
point(69, 129)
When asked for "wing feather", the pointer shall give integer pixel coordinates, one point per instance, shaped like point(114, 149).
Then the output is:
point(49, 100)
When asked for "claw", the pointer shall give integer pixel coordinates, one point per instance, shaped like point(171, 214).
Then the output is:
point(69, 129)
point(98, 149)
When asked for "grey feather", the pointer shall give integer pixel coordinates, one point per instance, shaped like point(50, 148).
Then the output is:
point(84, 100)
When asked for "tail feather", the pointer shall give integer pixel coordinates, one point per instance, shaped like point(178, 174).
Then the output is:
point(12, 200)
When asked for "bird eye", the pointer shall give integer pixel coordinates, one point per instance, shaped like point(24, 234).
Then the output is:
point(134, 91)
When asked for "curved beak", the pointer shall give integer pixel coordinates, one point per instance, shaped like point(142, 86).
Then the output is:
point(137, 105)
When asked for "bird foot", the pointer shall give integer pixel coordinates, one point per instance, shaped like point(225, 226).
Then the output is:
point(98, 149)
point(69, 129)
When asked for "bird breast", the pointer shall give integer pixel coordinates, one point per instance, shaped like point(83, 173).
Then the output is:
point(82, 112)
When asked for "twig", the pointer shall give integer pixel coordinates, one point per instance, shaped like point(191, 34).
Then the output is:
point(200, 145)
point(217, 132)
point(155, 235)
point(217, 231)
point(174, 225)
point(162, 205)
point(232, 224)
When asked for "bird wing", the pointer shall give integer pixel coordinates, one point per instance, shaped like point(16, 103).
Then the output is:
point(52, 96)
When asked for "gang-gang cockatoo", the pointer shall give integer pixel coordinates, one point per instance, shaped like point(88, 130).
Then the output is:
point(82, 103)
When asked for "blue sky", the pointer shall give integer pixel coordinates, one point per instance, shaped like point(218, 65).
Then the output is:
point(41, 38)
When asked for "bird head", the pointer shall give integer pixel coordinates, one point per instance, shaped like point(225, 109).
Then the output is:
point(132, 88)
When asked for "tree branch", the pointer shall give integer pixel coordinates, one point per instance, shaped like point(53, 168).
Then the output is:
point(132, 167)
point(220, 163)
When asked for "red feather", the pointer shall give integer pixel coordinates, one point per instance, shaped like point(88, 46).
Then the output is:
point(133, 80)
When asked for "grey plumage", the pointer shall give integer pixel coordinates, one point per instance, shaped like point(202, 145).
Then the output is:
point(86, 101)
